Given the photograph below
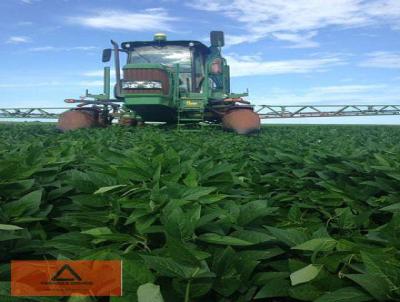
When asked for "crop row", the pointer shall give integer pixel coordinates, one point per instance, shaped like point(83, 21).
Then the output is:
point(298, 213)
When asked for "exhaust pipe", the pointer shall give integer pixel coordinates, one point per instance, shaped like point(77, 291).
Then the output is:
point(106, 83)
point(117, 68)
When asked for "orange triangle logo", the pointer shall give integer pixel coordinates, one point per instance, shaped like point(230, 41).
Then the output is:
point(66, 273)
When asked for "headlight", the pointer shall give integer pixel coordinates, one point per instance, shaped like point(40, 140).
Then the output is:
point(142, 85)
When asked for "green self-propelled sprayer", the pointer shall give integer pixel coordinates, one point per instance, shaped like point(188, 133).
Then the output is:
point(174, 82)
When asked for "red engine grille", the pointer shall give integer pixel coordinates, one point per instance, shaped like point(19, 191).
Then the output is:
point(147, 75)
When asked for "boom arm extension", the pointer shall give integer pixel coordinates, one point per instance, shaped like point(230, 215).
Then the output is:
point(264, 111)
point(32, 113)
point(298, 111)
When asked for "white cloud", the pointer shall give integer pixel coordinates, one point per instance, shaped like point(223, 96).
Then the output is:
point(155, 19)
point(208, 5)
point(42, 48)
point(385, 10)
point(18, 40)
point(299, 41)
point(239, 39)
point(52, 48)
point(253, 65)
point(382, 59)
point(300, 20)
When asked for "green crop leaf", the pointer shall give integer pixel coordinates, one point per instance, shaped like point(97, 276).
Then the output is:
point(135, 272)
point(305, 274)
point(227, 285)
point(16, 188)
point(208, 215)
point(223, 240)
point(346, 294)
point(191, 179)
point(253, 210)
point(262, 254)
point(180, 224)
point(195, 193)
point(9, 227)
point(149, 292)
point(374, 285)
point(26, 205)
point(143, 223)
point(168, 267)
point(263, 278)
point(377, 265)
point(373, 264)
point(392, 208)
point(98, 231)
point(179, 252)
point(290, 237)
point(255, 237)
point(81, 181)
point(103, 190)
point(273, 289)
point(318, 244)
point(7, 235)
point(305, 292)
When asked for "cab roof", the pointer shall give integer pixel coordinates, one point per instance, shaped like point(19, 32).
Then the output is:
point(134, 44)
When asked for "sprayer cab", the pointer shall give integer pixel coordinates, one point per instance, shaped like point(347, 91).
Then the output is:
point(189, 57)
point(158, 74)
point(181, 82)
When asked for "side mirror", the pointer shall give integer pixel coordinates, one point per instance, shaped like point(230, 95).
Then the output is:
point(217, 38)
point(107, 55)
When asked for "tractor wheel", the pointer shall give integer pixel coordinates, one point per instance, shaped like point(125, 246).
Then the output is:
point(77, 119)
point(241, 120)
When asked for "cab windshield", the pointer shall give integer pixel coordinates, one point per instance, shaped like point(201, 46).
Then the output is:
point(167, 55)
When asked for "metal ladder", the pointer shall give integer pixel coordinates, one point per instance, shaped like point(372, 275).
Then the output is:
point(189, 123)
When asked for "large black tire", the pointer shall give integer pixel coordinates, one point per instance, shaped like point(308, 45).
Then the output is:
point(241, 120)
point(78, 119)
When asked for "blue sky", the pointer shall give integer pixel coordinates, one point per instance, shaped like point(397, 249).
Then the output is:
point(284, 52)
